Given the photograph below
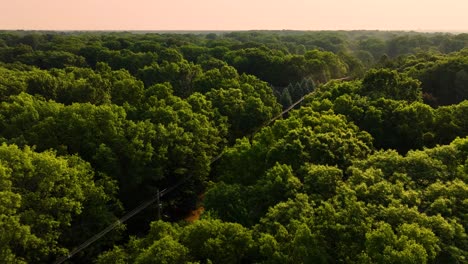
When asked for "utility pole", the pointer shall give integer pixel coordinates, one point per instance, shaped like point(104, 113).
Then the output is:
point(158, 204)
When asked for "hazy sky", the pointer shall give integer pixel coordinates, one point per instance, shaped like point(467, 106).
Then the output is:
point(234, 15)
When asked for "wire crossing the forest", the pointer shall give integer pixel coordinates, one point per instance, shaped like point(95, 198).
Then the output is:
point(127, 216)
point(287, 109)
point(147, 203)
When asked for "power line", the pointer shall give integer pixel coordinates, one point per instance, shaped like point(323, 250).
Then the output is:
point(107, 230)
point(165, 191)
point(127, 216)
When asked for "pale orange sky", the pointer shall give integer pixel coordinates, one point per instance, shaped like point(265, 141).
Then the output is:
point(234, 15)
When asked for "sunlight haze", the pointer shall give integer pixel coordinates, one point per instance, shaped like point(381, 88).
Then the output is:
point(427, 15)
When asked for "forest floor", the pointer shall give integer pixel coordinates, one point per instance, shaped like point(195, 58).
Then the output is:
point(195, 214)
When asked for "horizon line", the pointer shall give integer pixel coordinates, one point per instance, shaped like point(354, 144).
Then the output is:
point(239, 30)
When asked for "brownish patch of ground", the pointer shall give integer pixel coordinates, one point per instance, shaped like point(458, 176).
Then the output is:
point(195, 214)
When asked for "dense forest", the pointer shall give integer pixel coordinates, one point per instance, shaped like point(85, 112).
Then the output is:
point(368, 164)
